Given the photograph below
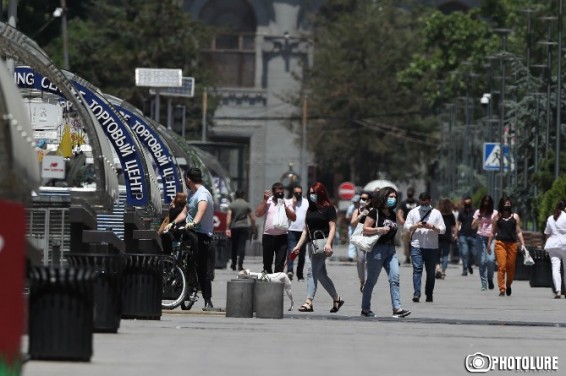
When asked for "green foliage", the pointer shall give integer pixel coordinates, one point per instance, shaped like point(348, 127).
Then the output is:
point(370, 126)
point(550, 198)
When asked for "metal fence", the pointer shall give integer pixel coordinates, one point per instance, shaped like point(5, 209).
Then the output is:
point(49, 230)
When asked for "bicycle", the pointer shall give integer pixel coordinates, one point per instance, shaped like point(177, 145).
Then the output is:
point(180, 281)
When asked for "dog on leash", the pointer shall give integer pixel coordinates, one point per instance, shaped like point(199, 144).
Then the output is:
point(274, 277)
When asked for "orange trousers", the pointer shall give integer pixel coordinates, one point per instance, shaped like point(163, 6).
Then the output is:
point(505, 254)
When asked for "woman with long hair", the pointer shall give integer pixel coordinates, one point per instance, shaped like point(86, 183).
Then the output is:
point(359, 216)
point(320, 219)
point(483, 219)
point(506, 229)
point(382, 220)
point(556, 244)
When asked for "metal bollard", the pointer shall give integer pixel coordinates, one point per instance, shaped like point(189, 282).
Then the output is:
point(240, 298)
point(268, 300)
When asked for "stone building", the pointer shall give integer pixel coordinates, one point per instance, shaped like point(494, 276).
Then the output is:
point(259, 63)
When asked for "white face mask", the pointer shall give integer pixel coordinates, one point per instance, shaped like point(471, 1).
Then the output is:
point(363, 202)
point(313, 197)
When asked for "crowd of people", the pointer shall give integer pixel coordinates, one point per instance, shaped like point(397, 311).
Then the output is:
point(303, 228)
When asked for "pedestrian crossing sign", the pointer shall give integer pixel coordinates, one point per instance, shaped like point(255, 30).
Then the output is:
point(491, 156)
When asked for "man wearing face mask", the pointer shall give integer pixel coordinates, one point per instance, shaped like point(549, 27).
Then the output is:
point(467, 236)
point(424, 224)
point(274, 240)
point(300, 205)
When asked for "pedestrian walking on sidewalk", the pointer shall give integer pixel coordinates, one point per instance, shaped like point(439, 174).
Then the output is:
point(556, 244)
point(300, 205)
point(320, 218)
point(467, 236)
point(506, 230)
point(381, 219)
point(482, 222)
point(359, 216)
point(274, 239)
point(240, 222)
point(424, 223)
point(447, 240)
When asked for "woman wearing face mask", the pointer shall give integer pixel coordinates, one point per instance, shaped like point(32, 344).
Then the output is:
point(506, 229)
point(321, 216)
point(359, 216)
point(383, 253)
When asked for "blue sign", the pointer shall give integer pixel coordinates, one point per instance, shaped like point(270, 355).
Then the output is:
point(116, 132)
point(492, 156)
point(158, 151)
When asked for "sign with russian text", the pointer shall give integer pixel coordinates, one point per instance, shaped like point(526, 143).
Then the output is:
point(115, 129)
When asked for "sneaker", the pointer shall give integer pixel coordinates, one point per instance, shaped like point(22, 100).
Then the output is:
point(401, 313)
point(367, 314)
point(557, 295)
point(416, 298)
point(502, 293)
point(290, 275)
point(483, 288)
point(464, 273)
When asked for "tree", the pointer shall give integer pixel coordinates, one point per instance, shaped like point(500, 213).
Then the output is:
point(368, 126)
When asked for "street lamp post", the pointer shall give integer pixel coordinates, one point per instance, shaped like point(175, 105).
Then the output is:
point(558, 93)
point(548, 45)
point(502, 58)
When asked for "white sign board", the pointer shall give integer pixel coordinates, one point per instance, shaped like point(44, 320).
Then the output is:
point(45, 116)
point(159, 77)
point(53, 167)
point(187, 90)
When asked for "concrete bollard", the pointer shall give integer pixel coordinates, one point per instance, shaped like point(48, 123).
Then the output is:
point(268, 300)
point(240, 298)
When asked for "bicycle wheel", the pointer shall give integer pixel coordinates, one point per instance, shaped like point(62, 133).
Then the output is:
point(192, 289)
point(174, 285)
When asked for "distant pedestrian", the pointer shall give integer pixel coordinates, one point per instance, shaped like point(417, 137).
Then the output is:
point(556, 244)
point(358, 216)
point(240, 222)
point(424, 224)
point(506, 230)
point(382, 220)
point(300, 205)
point(320, 218)
point(467, 236)
point(483, 219)
point(353, 207)
point(274, 239)
point(402, 212)
point(446, 241)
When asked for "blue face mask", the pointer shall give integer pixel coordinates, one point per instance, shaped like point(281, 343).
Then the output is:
point(391, 202)
point(313, 197)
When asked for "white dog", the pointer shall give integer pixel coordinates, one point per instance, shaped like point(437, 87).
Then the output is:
point(274, 277)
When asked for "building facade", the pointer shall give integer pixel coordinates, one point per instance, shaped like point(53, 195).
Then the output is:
point(259, 60)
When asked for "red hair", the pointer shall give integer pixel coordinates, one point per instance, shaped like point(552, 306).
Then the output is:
point(322, 196)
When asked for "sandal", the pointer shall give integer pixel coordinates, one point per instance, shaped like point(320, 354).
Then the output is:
point(306, 307)
point(336, 306)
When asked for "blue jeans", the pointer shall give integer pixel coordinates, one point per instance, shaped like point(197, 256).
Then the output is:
point(427, 257)
point(382, 256)
point(444, 247)
point(487, 262)
point(467, 251)
point(317, 272)
point(292, 240)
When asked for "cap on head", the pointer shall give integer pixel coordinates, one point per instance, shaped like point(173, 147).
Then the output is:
point(424, 196)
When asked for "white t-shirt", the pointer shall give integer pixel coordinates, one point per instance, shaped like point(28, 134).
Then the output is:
point(301, 211)
point(557, 231)
point(425, 238)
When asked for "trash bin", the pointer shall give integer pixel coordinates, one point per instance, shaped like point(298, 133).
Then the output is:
point(268, 300)
point(240, 298)
point(142, 286)
point(522, 272)
point(107, 288)
point(222, 250)
point(541, 271)
point(60, 320)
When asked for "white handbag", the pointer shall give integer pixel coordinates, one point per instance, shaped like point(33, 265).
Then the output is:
point(527, 258)
point(364, 242)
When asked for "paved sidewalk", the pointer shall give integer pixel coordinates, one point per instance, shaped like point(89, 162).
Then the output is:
point(434, 340)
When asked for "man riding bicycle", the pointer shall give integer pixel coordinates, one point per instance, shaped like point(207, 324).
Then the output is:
point(198, 216)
